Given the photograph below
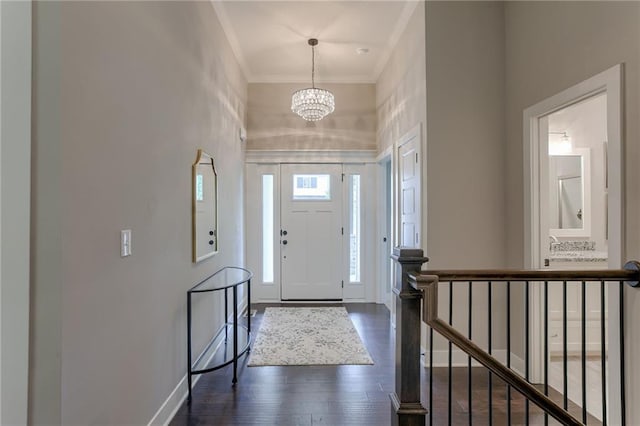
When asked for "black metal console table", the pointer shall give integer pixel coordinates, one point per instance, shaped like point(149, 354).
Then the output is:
point(227, 345)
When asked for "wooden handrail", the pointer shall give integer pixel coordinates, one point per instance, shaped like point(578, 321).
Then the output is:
point(508, 375)
point(412, 284)
point(630, 274)
point(429, 285)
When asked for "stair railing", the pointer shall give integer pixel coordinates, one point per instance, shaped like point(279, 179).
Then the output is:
point(411, 285)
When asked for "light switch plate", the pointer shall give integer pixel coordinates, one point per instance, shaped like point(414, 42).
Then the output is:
point(125, 242)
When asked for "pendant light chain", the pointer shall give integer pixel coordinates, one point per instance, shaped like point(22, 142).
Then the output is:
point(313, 66)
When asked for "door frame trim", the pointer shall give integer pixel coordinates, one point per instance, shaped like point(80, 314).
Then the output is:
point(253, 170)
point(386, 156)
point(609, 82)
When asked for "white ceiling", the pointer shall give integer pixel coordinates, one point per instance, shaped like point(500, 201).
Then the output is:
point(269, 38)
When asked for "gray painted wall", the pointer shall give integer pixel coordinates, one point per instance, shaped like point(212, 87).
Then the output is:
point(124, 95)
point(551, 46)
point(401, 102)
point(15, 150)
point(273, 126)
point(465, 137)
point(465, 209)
point(117, 85)
point(401, 86)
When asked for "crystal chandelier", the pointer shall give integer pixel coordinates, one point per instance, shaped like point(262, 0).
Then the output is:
point(311, 103)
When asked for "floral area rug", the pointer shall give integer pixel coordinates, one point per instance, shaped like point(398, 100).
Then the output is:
point(307, 336)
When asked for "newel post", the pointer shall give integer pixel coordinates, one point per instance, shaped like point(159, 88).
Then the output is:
point(405, 401)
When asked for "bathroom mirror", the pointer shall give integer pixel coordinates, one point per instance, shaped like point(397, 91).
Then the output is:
point(570, 194)
point(204, 207)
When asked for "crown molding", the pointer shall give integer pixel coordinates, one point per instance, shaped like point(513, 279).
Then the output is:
point(399, 29)
point(227, 29)
point(310, 156)
point(366, 79)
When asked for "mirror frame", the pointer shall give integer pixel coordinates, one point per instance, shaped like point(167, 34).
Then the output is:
point(203, 158)
point(585, 231)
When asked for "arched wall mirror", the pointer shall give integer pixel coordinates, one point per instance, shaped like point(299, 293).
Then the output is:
point(204, 207)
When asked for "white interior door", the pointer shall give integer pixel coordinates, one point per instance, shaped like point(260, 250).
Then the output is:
point(311, 240)
point(409, 177)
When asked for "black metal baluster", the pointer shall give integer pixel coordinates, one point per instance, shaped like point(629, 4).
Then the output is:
point(584, 352)
point(509, 349)
point(189, 343)
point(603, 353)
point(489, 348)
point(546, 346)
point(469, 382)
point(249, 308)
point(235, 335)
point(226, 315)
point(527, 346)
point(430, 376)
point(449, 413)
point(623, 391)
point(564, 346)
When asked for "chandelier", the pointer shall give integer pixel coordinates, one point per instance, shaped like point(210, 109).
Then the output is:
point(311, 103)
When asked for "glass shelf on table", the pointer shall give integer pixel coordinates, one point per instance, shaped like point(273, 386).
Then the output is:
point(225, 278)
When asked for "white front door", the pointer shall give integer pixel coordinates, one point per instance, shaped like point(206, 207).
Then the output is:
point(311, 231)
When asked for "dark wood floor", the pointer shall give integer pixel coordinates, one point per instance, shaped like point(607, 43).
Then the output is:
point(345, 394)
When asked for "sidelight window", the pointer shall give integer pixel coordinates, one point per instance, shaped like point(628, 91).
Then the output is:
point(354, 228)
point(267, 228)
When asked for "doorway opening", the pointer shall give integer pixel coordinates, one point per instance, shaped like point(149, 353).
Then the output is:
point(311, 231)
point(576, 233)
point(386, 234)
point(573, 217)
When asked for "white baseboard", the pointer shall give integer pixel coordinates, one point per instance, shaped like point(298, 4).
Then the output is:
point(320, 302)
point(257, 301)
point(242, 309)
point(172, 404)
point(461, 359)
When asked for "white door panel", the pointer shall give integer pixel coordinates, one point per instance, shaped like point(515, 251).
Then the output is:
point(408, 201)
point(409, 162)
point(311, 241)
point(408, 234)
